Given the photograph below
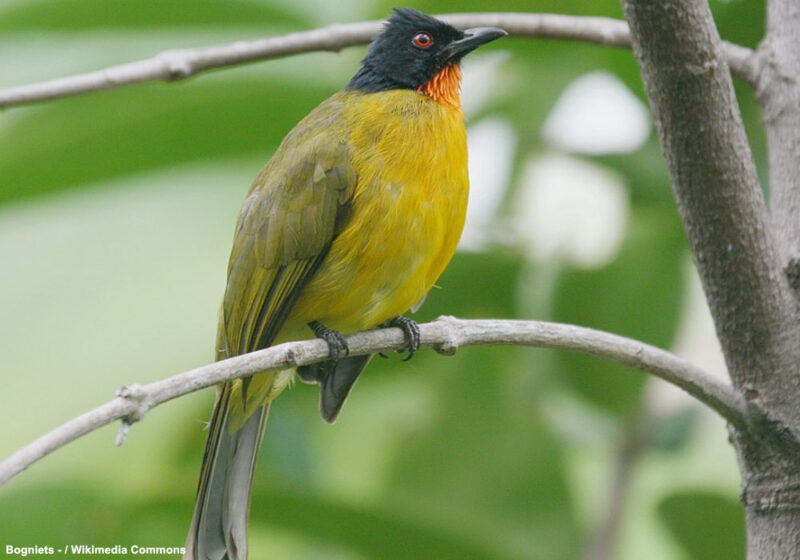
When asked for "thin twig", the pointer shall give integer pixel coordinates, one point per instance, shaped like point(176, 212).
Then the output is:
point(446, 335)
point(183, 63)
point(603, 543)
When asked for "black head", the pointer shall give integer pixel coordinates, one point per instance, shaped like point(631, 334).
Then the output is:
point(412, 48)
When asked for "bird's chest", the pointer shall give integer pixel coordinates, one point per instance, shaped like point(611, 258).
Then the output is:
point(412, 165)
point(407, 212)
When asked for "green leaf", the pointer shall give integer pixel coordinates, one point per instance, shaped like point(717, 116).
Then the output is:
point(94, 137)
point(83, 15)
point(706, 524)
point(742, 23)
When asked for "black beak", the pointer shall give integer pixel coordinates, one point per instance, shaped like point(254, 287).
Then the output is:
point(473, 38)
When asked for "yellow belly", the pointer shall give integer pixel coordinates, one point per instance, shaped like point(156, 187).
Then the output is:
point(407, 215)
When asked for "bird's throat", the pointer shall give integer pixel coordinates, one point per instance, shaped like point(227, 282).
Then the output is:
point(445, 86)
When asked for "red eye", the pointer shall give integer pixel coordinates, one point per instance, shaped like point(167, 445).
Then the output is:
point(422, 40)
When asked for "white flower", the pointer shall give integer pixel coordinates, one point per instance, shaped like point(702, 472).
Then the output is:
point(597, 114)
point(491, 147)
point(570, 209)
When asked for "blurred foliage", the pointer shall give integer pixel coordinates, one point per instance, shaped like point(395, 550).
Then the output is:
point(116, 214)
point(144, 128)
point(707, 525)
point(634, 296)
point(83, 15)
point(672, 430)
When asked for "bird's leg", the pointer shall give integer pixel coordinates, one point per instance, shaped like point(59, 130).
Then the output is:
point(336, 342)
point(411, 331)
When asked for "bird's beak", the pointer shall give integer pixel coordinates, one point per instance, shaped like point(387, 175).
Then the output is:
point(473, 38)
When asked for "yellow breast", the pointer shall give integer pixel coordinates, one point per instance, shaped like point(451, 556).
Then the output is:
point(410, 155)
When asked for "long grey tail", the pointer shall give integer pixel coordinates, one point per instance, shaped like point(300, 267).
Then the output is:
point(219, 524)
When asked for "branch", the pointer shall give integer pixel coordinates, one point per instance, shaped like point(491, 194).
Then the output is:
point(603, 543)
point(778, 90)
point(719, 196)
point(445, 335)
point(180, 64)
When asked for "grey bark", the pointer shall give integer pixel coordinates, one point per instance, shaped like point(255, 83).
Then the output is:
point(778, 90)
point(740, 252)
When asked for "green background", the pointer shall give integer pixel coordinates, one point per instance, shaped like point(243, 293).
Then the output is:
point(116, 217)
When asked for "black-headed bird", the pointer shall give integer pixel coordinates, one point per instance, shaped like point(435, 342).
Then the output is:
point(346, 228)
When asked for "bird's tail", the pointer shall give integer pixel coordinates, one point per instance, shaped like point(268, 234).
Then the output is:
point(219, 524)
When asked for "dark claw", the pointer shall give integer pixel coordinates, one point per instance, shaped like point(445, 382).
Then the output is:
point(411, 331)
point(336, 342)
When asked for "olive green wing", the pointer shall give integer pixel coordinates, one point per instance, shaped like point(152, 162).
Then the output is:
point(297, 204)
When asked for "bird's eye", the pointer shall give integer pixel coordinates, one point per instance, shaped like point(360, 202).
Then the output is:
point(422, 40)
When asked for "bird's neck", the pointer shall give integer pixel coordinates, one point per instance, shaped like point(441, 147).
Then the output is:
point(369, 80)
point(445, 86)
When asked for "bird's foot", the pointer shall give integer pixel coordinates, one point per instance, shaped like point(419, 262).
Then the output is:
point(337, 345)
point(411, 331)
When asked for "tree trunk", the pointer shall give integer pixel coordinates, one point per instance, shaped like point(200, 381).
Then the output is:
point(742, 255)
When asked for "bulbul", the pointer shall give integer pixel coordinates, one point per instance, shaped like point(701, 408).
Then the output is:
point(346, 228)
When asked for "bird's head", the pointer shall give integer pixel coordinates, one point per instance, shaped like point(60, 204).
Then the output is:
point(419, 52)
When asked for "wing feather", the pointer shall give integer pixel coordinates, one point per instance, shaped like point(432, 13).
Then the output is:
point(291, 215)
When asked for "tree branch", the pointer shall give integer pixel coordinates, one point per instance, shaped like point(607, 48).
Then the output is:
point(445, 335)
point(180, 64)
point(778, 90)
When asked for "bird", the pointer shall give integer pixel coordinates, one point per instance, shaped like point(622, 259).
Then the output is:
point(346, 228)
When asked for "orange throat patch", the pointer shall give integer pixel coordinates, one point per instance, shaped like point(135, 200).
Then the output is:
point(445, 86)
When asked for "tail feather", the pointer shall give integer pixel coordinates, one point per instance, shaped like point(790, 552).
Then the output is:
point(335, 382)
point(219, 524)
